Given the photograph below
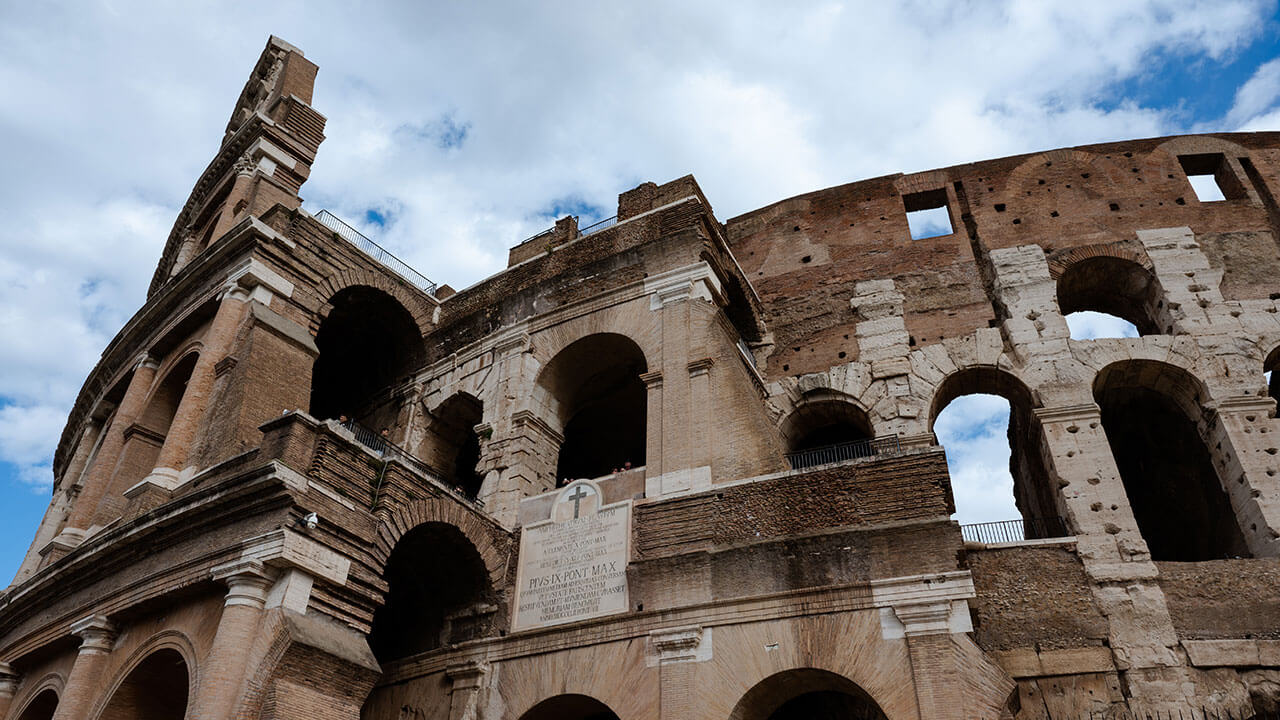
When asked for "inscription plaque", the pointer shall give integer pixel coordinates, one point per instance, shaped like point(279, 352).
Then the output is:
point(574, 565)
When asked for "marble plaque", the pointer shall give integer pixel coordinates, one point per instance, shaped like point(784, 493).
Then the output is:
point(574, 566)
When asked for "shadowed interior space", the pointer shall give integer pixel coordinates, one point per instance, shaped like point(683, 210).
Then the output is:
point(156, 690)
point(367, 343)
point(1177, 498)
point(437, 589)
point(452, 445)
point(570, 707)
point(41, 707)
point(806, 694)
point(1113, 286)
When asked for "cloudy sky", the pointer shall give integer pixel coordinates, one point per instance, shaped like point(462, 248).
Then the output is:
point(457, 129)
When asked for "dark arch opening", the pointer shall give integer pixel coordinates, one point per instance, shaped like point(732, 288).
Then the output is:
point(1113, 286)
point(826, 426)
point(1269, 367)
point(156, 690)
point(453, 447)
point(438, 593)
point(593, 387)
point(1149, 415)
point(1034, 497)
point(368, 343)
point(806, 694)
point(570, 707)
point(41, 707)
point(163, 405)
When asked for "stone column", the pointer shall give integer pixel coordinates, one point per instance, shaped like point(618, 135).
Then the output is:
point(653, 423)
point(466, 679)
point(98, 477)
point(673, 651)
point(701, 421)
point(9, 681)
point(172, 465)
point(223, 671)
point(97, 635)
point(1243, 439)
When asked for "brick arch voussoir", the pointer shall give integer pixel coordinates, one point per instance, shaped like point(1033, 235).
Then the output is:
point(1063, 261)
point(448, 512)
point(1030, 168)
point(412, 301)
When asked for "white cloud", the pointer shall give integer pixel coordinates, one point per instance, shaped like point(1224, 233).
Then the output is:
point(105, 132)
point(973, 429)
point(1256, 97)
point(1090, 325)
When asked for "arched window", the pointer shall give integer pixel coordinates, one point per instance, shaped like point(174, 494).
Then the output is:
point(826, 427)
point(593, 392)
point(570, 707)
point(1151, 414)
point(438, 592)
point(143, 442)
point(367, 343)
point(452, 445)
point(156, 689)
point(983, 418)
point(1104, 296)
point(806, 694)
point(41, 707)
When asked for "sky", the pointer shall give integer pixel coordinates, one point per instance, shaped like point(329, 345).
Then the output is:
point(457, 129)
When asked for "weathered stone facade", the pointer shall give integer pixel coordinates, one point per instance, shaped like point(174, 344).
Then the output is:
point(298, 482)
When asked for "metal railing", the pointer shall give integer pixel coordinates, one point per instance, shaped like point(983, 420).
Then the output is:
point(1189, 713)
point(391, 451)
point(1006, 531)
point(842, 452)
point(604, 224)
point(375, 251)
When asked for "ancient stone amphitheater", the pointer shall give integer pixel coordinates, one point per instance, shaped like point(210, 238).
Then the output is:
point(672, 467)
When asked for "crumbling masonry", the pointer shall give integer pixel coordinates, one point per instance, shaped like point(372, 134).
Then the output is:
point(744, 409)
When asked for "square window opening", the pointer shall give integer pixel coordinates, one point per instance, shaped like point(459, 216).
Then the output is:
point(927, 214)
point(1211, 178)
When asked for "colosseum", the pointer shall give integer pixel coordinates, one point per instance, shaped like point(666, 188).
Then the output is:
point(668, 466)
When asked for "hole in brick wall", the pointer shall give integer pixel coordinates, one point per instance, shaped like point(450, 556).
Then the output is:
point(785, 368)
point(841, 354)
point(806, 259)
point(1041, 182)
point(927, 214)
point(1053, 214)
point(1211, 177)
point(911, 341)
point(999, 207)
point(1180, 201)
point(1017, 221)
point(1115, 207)
point(1084, 175)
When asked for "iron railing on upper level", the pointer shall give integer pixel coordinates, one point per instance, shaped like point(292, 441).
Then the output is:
point(1018, 530)
point(591, 229)
point(375, 251)
point(841, 452)
point(380, 444)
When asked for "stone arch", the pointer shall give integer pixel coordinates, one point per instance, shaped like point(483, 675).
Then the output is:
point(491, 541)
point(569, 707)
point(414, 301)
point(804, 693)
point(1112, 281)
point(1061, 260)
point(1034, 494)
point(160, 651)
point(591, 393)
point(35, 703)
point(1160, 434)
point(822, 418)
point(369, 342)
point(450, 443)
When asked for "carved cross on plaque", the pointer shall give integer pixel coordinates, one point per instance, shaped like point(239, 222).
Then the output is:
point(577, 497)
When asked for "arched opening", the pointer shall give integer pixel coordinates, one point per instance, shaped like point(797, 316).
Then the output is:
point(593, 389)
point(806, 694)
point(1151, 413)
point(1120, 296)
point(438, 593)
point(570, 707)
point(452, 446)
point(983, 418)
point(163, 405)
point(144, 440)
point(368, 343)
point(41, 707)
point(826, 427)
point(156, 689)
point(1269, 367)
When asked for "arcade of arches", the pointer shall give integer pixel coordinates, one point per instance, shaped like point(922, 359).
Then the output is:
point(156, 689)
point(367, 343)
point(593, 388)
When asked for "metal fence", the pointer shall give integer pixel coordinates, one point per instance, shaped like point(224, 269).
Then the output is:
point(391, 451)
point(1015, 530)
point(604, 224)
point(842, 452)
point(375, 251)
